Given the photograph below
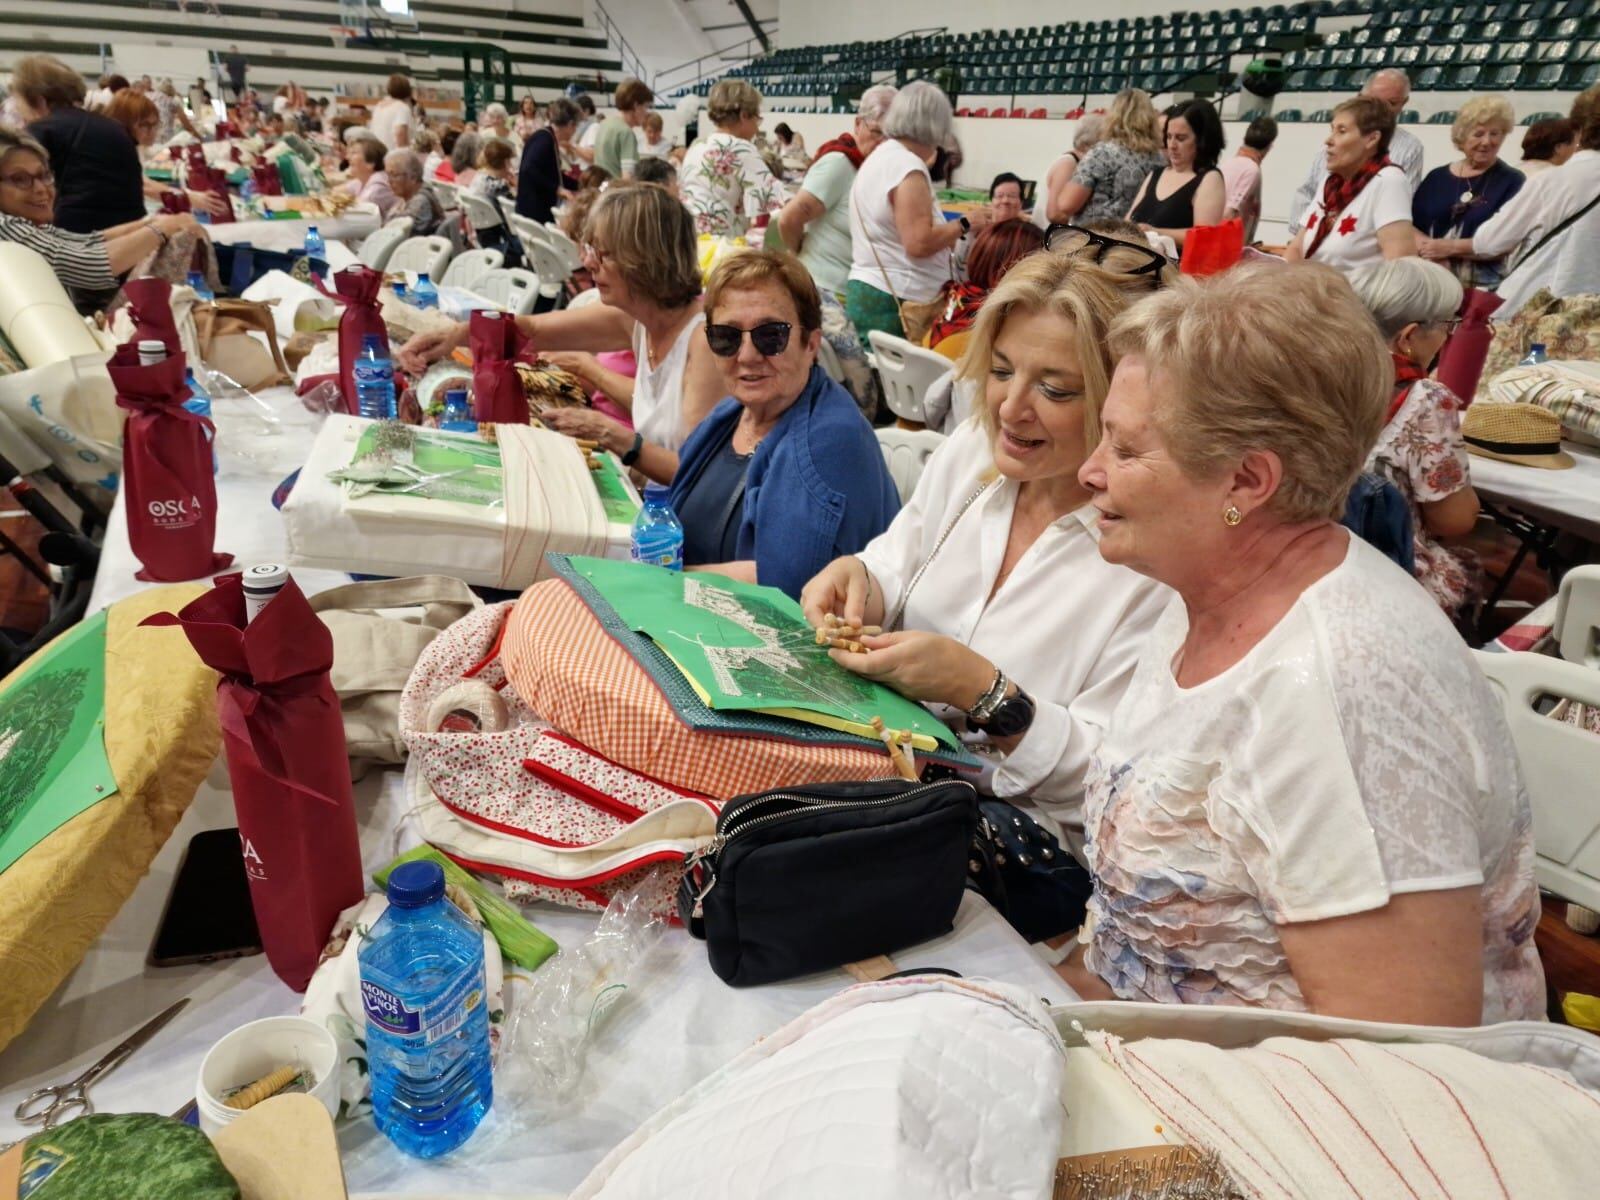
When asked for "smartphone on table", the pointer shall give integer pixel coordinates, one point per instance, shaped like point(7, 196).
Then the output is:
point(208, 916)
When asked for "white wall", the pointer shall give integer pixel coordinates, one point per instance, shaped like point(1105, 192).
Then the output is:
point(810, 22)
point(663, 33)
point(1029, 147)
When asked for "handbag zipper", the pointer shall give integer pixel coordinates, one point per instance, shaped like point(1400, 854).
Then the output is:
point(702, 858)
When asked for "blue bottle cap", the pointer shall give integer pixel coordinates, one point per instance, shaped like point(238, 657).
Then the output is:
point(413, 884)
point(657, 493)
point(455, 396)
point(374, 341)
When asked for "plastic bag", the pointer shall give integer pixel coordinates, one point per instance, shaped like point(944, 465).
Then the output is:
point(553, 1022)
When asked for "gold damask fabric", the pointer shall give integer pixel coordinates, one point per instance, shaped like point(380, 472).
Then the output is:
point(161, 737)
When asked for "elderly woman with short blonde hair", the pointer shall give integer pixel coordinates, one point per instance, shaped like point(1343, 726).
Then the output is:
point(724, 181)
point(1307, 798)
point(1455, 199)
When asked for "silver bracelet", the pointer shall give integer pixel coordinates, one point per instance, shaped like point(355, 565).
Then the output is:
point(990, 700)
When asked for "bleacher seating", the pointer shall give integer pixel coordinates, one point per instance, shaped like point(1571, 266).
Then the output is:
point(291, 40)
point(1326, 48)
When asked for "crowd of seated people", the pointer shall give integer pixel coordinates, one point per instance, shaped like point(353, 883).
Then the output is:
point(1121, 579)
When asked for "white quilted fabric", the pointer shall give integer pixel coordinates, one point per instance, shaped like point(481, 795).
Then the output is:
point(917, 1089)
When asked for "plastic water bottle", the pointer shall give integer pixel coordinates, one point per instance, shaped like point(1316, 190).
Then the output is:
point(400, 293)
point(422, 986)
point(657, 532)
point(197, 284)
point(424, 294)
point(199, 401)
point(374, 379)
point(457, 414)
point(315, 246)
point(1536, 355)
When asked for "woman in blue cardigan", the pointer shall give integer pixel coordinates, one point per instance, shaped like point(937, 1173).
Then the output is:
point(785, 474)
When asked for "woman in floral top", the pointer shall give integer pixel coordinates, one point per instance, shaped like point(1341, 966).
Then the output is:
point(1107, 180)
point(724, 181)
point(1420, 449)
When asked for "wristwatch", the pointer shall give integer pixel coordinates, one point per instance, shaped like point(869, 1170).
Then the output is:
point(966, 226)
point(632, 456)
point(1000, 716)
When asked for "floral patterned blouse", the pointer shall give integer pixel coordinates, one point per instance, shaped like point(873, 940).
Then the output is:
point(725, 183)
point(1421, 452)
point(1354, 754)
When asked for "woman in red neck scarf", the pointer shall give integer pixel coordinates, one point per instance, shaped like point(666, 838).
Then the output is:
point(1363, 214)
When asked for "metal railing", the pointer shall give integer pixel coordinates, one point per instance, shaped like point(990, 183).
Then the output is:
point(631, 62)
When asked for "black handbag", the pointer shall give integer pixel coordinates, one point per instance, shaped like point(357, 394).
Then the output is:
point(809, 878)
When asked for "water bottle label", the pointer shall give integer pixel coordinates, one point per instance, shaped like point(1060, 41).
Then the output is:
point(431, 1023)
point(387, 1011)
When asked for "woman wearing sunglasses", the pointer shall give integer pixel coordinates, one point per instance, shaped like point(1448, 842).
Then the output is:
point(999, 611)
point(785, 474)
point(1421, 450)
point(640, 248)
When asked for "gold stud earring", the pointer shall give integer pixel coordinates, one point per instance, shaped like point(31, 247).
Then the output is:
point(1231, 515)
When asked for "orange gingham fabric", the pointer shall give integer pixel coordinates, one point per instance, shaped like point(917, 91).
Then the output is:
point(572, 673)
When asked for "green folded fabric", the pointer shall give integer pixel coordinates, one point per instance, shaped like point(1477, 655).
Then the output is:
point(123, 1156)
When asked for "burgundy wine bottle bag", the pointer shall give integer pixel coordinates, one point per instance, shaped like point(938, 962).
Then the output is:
point(357, 288)
point(169, 491)
point(497, 346)
point(150, 306)
point(283, 736)
point(1461, 361)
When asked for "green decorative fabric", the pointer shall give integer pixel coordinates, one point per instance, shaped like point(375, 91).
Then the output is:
point(123, 1156)
point(871, 309)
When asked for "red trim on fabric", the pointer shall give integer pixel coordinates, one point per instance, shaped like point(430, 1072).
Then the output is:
point(1415, 1149)
point(1317, 1142)
point(579, 790)
point(576, 885)
point(567, 738)
point(482, 664)
point(512, 830)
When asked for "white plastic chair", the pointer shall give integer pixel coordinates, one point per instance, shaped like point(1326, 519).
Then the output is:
point(419, 254)
point(480, 212)
point(905, 453)
point(1560, 765)
point(508, 208)
point(375, 251)
point(541, 253)
point(570, 253)
point(449, 194)
point(907, 372)
point(468, 267)
point(510, 288)
point(1577, 627)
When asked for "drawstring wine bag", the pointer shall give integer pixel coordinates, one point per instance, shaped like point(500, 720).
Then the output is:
point(1461, 361)
point(169, 491)
point(283, 736)
point(497, 346)
point(210, 179)
point(176, 202)
point(150, 306)
point(268, 181)
point(358, 289)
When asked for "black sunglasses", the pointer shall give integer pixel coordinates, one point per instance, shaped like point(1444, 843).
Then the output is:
point(769, 338)
point(1069, 239)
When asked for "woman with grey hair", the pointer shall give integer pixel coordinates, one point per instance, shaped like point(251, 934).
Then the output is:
point(901, 244)
point(495, 122)
point(1420, 449)
point(464, 158)
point(724, 181)
point(816, 226)
point(413, 197)
point(1458, 197)
point(1084, 139)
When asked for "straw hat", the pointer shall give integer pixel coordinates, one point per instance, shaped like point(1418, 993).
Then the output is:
point(1515, 433)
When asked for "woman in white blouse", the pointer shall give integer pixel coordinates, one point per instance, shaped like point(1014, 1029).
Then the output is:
point(1001, 613)
point(1307, 797)
point(900, 241)
point(724, 181)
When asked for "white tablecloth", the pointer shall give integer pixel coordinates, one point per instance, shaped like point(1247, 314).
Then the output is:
point(680, 1024)
point(1568, 499)
point(351, 226)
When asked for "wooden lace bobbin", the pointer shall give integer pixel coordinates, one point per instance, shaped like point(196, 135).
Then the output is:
point(903, 764)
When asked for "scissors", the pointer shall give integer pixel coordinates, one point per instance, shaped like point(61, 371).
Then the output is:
point(48, 1105)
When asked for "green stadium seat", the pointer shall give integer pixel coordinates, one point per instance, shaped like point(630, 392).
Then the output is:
point(1535, 118)
point(1448, 117)
point(1410, 117)
point(1321, 116)
point(1288, 114)
point(1541, 76)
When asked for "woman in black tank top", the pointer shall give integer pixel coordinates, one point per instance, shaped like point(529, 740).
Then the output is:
point(1194, 191)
